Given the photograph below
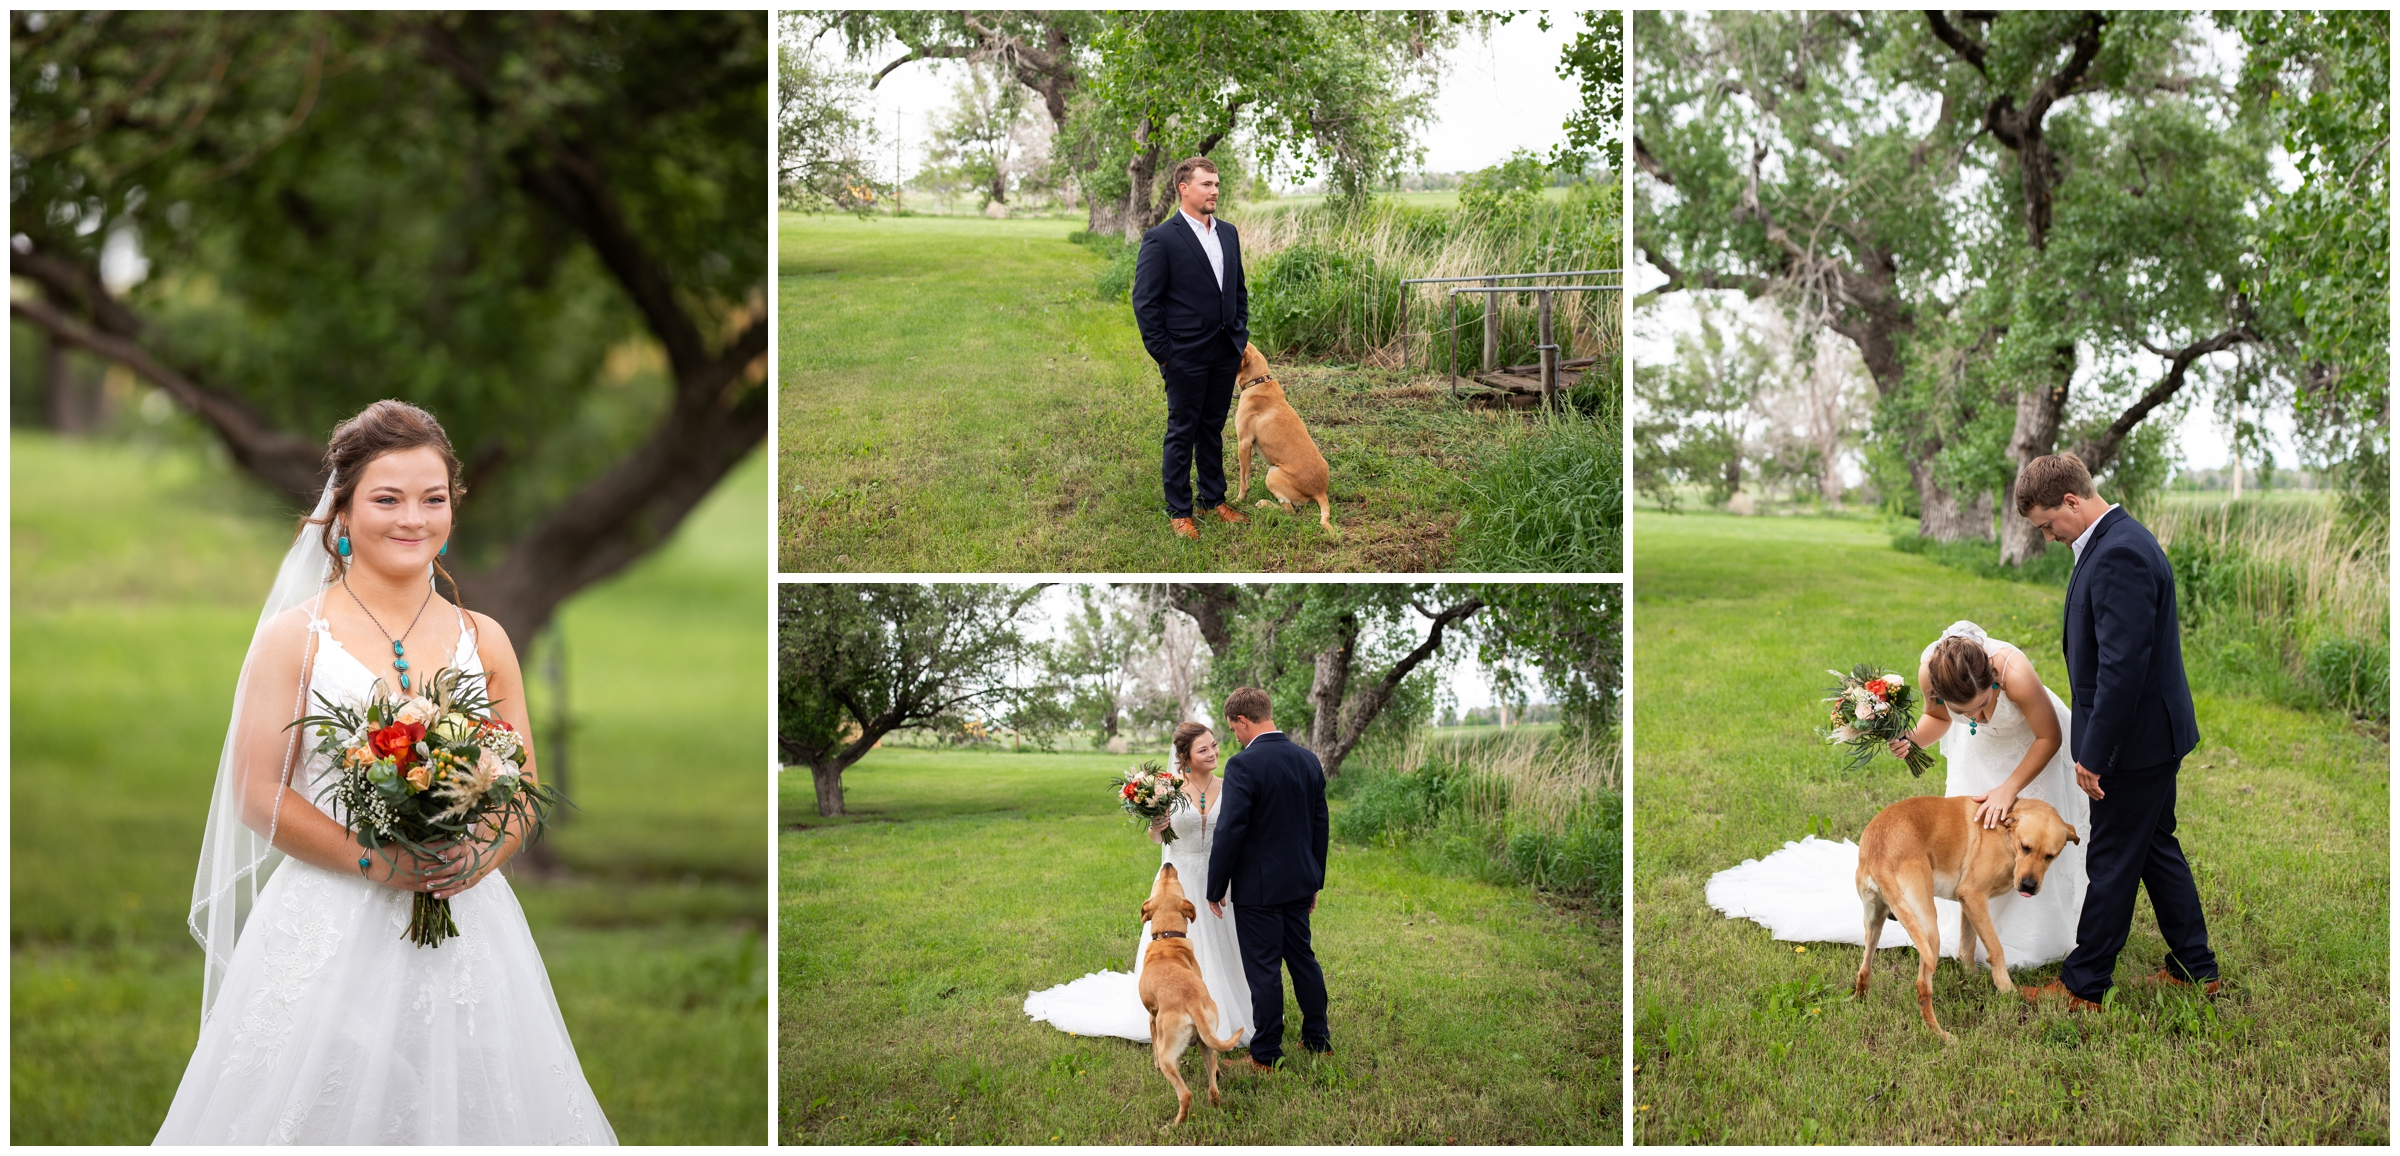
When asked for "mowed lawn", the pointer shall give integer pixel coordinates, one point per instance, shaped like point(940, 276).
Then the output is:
point(913, 930)
point(954, 396)
point(136, 580)
point(1743, 1039)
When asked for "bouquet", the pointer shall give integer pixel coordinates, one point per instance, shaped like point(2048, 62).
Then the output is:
point(1150, 791)
point(425, 773)
point(1871, 708)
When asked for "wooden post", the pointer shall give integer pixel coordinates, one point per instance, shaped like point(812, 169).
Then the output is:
point(1454, 343)
point(1491, 328)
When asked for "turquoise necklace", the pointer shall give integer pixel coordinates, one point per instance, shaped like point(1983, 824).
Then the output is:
point(399, 645)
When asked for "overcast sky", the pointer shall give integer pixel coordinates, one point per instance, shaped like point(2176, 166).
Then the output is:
point(1494, 98)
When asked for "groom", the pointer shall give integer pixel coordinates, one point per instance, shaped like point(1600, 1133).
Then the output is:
point(1271, 847)
point(2132, 726)
point(1194, 313)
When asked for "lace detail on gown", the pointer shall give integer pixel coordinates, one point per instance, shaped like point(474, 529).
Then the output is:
point(1807, 892)
point(1109, 1003)
point(333, 1029)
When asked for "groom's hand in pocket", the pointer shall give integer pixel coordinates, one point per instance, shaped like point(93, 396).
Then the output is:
point(2089, 782)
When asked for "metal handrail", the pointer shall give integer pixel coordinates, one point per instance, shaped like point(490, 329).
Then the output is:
point(1491, 332)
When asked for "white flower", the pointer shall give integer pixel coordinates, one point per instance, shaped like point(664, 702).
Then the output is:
point(453, 726)
point(416, 710)
point(1894, 680)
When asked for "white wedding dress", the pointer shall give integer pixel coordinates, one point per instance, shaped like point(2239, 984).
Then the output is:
point(1808, 891)
point(333, 1029)
point(1109, 1003)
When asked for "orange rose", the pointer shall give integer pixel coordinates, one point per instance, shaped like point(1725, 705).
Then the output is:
point(398, 742)
point(421, 777)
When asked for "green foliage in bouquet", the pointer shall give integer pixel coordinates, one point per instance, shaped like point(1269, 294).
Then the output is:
point(417, 776)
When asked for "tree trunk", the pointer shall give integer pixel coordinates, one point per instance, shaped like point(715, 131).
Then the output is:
point(1141, 173)
point(1941, 516)
point(66, 392)
point(2038, 412)
point(828, 775)
point(1325, 694)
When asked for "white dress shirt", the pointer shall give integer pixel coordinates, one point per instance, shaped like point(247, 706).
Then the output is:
point(2086, 536)
point(1206, 230)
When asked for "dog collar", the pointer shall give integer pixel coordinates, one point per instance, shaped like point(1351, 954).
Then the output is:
point(1168, 935)
point(1241, 385)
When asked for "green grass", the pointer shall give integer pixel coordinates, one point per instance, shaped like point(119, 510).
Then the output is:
point(2283, 813)
point(913, 930)
point(136, 579)
point(954, 396)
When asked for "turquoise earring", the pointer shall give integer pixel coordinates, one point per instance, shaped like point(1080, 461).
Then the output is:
point(444, 550)
point(341, 545)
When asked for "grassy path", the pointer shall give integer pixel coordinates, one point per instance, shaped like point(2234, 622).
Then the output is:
point(954, 397)
point(1741, 1039)
point(135, 586)
point(913, 930)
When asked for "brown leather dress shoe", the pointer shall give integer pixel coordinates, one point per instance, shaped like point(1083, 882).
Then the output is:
point(1227, 513)
point(1185, 529)
point(2164, 977)
point(1250, 1067)
point(2055, 989)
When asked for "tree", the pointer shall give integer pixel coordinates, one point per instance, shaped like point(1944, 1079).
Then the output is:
point(1595, 61)
point(1573, 635)
point(824, 141)
point(858, 662)
point(1992, 210)
point(984, 139)
point(2322, 81)
point(547, 228)
point(1336, 660)
point(1095, 660)
point(1696, 411)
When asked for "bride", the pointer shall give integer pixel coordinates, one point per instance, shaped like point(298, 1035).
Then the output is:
point(2005, 736)
point(319, 1023)
point(1109, 1003)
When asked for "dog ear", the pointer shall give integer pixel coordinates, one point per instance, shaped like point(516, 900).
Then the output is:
point(2009, 823)
point(1190, 912)
point(1147, 906)
point(2071, 836)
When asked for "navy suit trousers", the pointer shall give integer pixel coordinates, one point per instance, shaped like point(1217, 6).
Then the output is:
point(1197, 398)
point(1275, 936)
point(2132, 843)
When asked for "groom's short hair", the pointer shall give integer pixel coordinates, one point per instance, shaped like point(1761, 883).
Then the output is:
point(1184, 171)
point(2046, 481)
point(1250, 703)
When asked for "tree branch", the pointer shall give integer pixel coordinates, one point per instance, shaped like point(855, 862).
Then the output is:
point(287, 461)
point(1959, 42)
point(2097, 453)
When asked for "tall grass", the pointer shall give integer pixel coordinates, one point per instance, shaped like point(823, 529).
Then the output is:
point(1325, 280)
point(1554, 500)
point(2285, 598)
point(1508, 807)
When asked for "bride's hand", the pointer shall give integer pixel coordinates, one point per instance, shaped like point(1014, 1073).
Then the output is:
point(463, 867)
point(399, 868)
point(1901, 746)
point(1993, 805)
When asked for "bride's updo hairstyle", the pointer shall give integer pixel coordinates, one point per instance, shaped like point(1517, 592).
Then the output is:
point(1958, 670)
point(382, 428)
point(1185, 736)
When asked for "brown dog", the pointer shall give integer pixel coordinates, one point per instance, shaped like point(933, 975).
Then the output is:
point(1296, 472)
point(1180, 1008)
point(1918, 849)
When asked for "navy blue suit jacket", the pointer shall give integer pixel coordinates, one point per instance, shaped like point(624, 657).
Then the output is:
point(1182, 314)
point(2133, 708)
point(1271, 833)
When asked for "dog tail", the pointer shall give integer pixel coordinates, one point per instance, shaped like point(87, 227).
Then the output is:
point(1201, 1024)
point(1325, 510)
